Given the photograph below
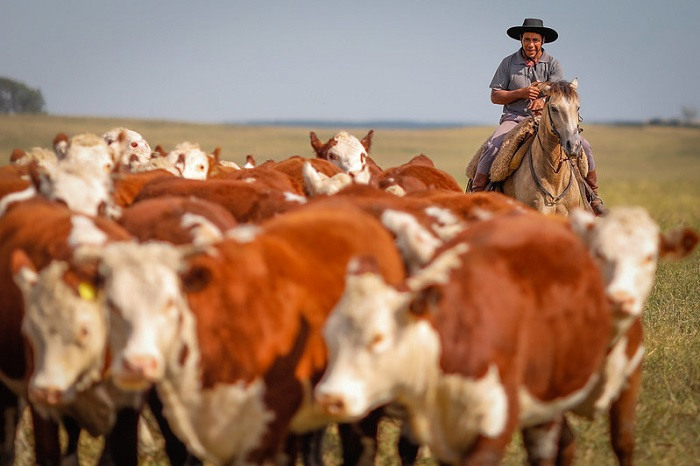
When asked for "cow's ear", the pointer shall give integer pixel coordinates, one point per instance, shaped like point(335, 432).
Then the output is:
point(196, 278)
point(367, 140)
point(316, 143)
point(678, 243)
point(23, 269)
point(60, 145)
point(216, 154)
point(582, 222)
point(425, 301)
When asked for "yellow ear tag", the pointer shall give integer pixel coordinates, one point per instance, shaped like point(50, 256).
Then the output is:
point(86, 291)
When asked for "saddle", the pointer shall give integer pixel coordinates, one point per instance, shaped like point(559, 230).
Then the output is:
point(514, 147)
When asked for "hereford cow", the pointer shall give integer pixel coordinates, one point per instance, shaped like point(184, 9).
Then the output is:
point(66, 329)
point(178, 220)
point(192, 161)
point(626, 244)
point(247, 202)
point(126, 186)
point(231, 337)
point(86, 147)
point(417, 174)
point(130, 147)
point(498, 331)
point(43, 157)
point(346, 152)
point(45, 234)
point(293, 167)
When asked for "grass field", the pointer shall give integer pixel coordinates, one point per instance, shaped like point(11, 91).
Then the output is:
point(655, 167)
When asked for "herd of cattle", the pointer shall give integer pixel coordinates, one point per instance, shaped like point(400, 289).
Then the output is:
point(250, 307)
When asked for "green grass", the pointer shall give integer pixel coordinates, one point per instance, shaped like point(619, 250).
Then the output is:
point(655, 167)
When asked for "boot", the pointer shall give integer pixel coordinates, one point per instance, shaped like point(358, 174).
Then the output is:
point(479, 183)
point(595, 201)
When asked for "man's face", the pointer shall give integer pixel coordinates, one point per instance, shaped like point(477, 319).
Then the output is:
point(532, 44)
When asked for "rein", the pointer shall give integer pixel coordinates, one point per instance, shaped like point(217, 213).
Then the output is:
point(555, 199)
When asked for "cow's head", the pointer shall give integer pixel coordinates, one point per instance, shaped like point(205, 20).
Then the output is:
point(380, 344)
point(66, 329)
point(84, 186)
point(146, 308)
point(84, 148)
point(192, 161)
point(627, 244)
point(344, 150)
point(130, 148)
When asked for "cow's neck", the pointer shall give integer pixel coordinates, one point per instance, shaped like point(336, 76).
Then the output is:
point(219, 424)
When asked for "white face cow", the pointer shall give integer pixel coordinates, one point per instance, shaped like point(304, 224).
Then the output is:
point(378, 350)
point(86, 148)
point(344, 150)
point(626, 244)
point(84, 186)
point(129, 146)
point(66, 328)
point(192, 161)
point(142, 294)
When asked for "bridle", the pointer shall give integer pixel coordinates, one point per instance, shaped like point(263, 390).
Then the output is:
point(562, 158)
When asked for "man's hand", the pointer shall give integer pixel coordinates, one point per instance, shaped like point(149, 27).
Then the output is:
point(536, 104)
point(532, 91)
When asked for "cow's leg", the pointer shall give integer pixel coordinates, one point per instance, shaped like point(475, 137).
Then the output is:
point(311, 447)
point(407, 447)
point(9, 408)
point(567, 445)
point(70, 457)
point(622, 418)
point(542, 442)
point(121, 444)
point(359, 440)
point(47, 449)
point(175, 449)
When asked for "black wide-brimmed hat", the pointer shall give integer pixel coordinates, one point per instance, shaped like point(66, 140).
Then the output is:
point(533, 25)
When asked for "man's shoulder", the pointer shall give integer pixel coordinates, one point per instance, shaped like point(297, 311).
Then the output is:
point(547, 57)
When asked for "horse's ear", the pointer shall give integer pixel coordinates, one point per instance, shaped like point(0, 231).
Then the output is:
point(574, 84)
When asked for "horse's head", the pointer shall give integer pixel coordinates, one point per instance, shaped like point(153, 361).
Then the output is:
point(560, 114)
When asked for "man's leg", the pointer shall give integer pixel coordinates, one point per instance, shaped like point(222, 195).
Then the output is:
point(592, 181)
point(481, 179)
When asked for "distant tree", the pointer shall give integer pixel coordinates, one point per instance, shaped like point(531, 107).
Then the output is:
point(690, 114)
point(15, 97)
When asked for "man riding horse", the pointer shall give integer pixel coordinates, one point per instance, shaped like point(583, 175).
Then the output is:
point(515, 85)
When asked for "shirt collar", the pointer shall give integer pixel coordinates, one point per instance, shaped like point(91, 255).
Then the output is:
point(544, 58)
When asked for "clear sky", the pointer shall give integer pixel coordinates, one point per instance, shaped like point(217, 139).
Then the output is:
point(419, 60)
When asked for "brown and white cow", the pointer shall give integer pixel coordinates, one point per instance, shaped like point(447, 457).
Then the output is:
point(231, 337)
point(130, 148)
point(247, 202)
point(499, 331)
point(37, 239)
point(192, 161)
point(178, 220)
point(86, 147)
point(417, 174)
point(627, 245)
point(347, 152)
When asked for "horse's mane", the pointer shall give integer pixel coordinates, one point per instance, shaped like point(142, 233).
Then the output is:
point(562, 88)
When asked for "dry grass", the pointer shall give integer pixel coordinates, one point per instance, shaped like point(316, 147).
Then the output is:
point(658, 168)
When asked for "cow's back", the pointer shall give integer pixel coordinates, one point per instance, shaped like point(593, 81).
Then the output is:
point(529, 298)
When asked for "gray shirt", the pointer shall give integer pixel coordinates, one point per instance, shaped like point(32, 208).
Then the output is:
point(513, 74)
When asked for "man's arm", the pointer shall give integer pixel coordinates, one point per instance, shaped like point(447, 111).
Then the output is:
point(504, 97)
